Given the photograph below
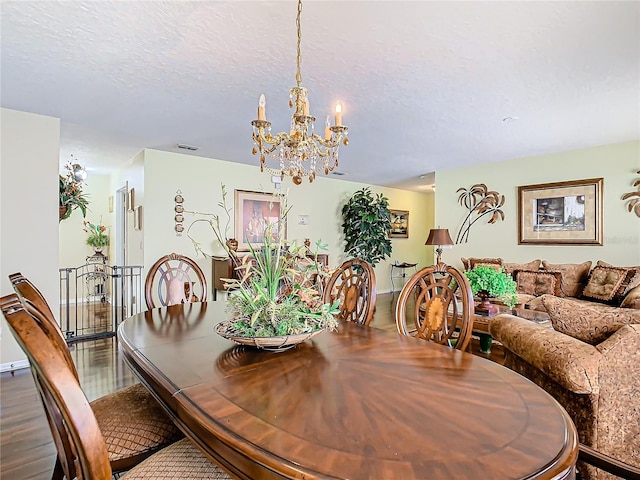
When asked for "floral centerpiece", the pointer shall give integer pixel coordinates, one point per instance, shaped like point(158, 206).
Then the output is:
point(276, 300)
point(71, 196)
point(97, 238)
point(487, 282)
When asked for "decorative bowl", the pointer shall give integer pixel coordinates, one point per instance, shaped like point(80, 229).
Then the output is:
point(275, 344)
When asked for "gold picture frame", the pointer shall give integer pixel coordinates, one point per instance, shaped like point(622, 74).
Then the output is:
point(561, 213)
point(399, 224)
point(137, 218)
point(253, 212)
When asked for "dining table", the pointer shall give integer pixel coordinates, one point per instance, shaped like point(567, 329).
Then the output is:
point(355, 403)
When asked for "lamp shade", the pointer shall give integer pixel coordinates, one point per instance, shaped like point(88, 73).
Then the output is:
point(439, 236)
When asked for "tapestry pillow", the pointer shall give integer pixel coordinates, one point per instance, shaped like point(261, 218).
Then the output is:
point(590, 323)
point(574, 276)
point(487, 262)
point(538, 283)
point(635, 280)
point(632, 299)
point(607, 284)
point(532, 266)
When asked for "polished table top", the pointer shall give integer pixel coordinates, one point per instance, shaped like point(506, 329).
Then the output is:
point(360, 403)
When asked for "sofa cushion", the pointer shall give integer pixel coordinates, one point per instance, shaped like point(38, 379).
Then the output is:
point(607, 284)
point(510, 268)
point(632, 299)
point(635, 280)
point(574, 276)
point(472, 262)
point(590, 322)
point(537, 282)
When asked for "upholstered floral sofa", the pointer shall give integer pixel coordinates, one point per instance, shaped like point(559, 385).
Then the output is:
point(602, 285)
point(590, 362)
point(590, 359)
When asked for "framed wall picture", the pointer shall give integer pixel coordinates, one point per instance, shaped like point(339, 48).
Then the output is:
point(131, 200)
point(399, 224)
point(253, 212)
point(563, 213)
point(137, 218)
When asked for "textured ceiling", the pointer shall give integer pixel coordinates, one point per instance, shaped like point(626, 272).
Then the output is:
point(425, 85)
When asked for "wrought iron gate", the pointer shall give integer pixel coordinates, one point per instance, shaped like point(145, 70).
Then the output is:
point(96, 297)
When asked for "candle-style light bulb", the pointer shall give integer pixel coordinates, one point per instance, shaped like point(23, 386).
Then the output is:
point(338, 114)
point(327, 130)
point(261, 104)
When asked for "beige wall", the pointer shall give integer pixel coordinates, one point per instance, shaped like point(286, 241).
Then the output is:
point(29, 162)
point(617, 164)
point(199, 180)
point(73, 250)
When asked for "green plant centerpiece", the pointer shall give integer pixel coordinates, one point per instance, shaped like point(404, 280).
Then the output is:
point(366, 225)
point(71, 196)
point(276, 299)
point(488, 282)
point(98, 237)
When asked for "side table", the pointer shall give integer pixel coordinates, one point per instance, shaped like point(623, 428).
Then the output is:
point(402, 267)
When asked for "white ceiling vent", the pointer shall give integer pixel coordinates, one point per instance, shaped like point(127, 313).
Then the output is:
point(184, 146)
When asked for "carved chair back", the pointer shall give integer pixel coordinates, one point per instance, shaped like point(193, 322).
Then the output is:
point(436, 304)
point(81, 448)
point(174, 279)
point(354, 283)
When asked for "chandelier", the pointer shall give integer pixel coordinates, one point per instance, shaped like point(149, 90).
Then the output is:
point(301, 152)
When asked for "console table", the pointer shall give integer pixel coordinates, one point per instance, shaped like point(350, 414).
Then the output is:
point(402, 267)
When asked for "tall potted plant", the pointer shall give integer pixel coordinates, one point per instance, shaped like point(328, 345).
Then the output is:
point(366, 222)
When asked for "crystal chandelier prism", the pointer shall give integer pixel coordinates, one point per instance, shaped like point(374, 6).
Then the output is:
point(301, 153)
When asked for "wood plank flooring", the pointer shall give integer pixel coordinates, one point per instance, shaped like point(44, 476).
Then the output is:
point(27, 451)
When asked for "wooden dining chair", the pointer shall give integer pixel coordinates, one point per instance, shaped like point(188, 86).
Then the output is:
point(76, 430)
point(174, 279)
point(132, 422)
point(354, 284)
point(436, 304)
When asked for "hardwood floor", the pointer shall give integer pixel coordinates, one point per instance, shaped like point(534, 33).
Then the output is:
point(27, 451)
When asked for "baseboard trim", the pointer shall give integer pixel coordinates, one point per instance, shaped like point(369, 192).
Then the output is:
point(11, 366)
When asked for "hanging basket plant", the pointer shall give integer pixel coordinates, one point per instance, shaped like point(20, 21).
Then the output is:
point(366, 225)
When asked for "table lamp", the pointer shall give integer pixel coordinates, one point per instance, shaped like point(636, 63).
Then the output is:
point(439, 237)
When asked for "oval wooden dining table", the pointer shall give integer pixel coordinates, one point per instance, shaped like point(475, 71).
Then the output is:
point(359, 403)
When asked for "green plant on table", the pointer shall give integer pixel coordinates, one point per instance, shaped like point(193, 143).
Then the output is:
point(97, 234)
point(491, 282)
point(279, 291)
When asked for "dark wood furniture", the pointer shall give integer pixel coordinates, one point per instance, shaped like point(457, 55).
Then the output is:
point(427, 307)
point(354, 284)
point(174, 278)
point(76, 430)
point(224, 267)
point(357, 403)
point(130, 437)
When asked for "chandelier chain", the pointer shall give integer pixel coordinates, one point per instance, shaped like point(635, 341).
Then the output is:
point(298, 54)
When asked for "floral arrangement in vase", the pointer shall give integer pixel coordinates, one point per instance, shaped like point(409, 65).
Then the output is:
point(489, 282)
point(71, 196)
point(98, 238)
point(276, 299)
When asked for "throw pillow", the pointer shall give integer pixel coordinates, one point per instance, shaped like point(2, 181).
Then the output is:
point(574, 276)
point(465, 263)
point(532, 266)
point(538, 283)
point(607, 284)
point(635, 280)
point(632, 299)
point(488, 262)
point(590, 323)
